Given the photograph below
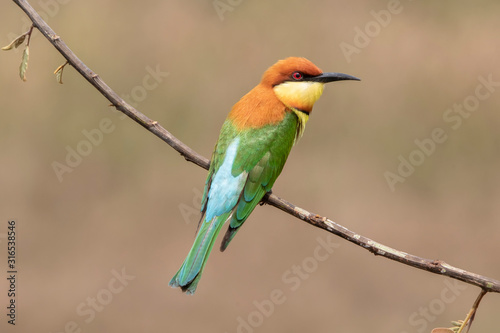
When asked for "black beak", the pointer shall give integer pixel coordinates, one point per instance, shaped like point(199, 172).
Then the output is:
point(330, 77)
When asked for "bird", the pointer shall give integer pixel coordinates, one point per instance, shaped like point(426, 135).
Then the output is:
point(253, 146)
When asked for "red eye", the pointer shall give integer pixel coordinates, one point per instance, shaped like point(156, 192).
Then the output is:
point(297, 76)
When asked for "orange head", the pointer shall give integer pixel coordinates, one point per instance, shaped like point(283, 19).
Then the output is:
point(293, 84)
point(282, 71)
point(298, 83)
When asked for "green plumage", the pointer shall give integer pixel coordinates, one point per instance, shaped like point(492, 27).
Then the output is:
point(259, 158)
point(262, 153)
point(249, 156)
point(190, 273)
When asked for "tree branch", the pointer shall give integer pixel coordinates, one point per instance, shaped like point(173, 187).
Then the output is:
point(434, 266)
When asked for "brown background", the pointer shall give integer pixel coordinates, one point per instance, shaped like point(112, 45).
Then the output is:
point(121, 207)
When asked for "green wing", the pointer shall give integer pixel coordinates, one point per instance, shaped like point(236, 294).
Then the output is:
point(257, 157)
point(262, 154)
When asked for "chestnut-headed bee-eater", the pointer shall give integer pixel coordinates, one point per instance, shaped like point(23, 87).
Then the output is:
point(253, 145)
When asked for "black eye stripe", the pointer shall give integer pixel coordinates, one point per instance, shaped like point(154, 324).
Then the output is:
point(299, 76)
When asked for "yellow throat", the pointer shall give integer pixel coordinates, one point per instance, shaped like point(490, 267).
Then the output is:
point(300, 98)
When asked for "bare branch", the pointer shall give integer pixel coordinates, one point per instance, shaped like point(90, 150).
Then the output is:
point(434, 266)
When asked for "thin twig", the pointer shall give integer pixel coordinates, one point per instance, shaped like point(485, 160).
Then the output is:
point(30, 31)
point(472, 313)
point(434, 266)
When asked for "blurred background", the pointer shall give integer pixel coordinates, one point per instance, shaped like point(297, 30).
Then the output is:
point(106, 212)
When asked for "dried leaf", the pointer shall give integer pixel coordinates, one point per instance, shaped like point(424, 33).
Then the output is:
point(24, 64)
point(59, 76)
point(15, 43)
point(442, 330)
point(59, 72)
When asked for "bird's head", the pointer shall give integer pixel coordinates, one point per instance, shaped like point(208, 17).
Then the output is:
point(298, 83)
